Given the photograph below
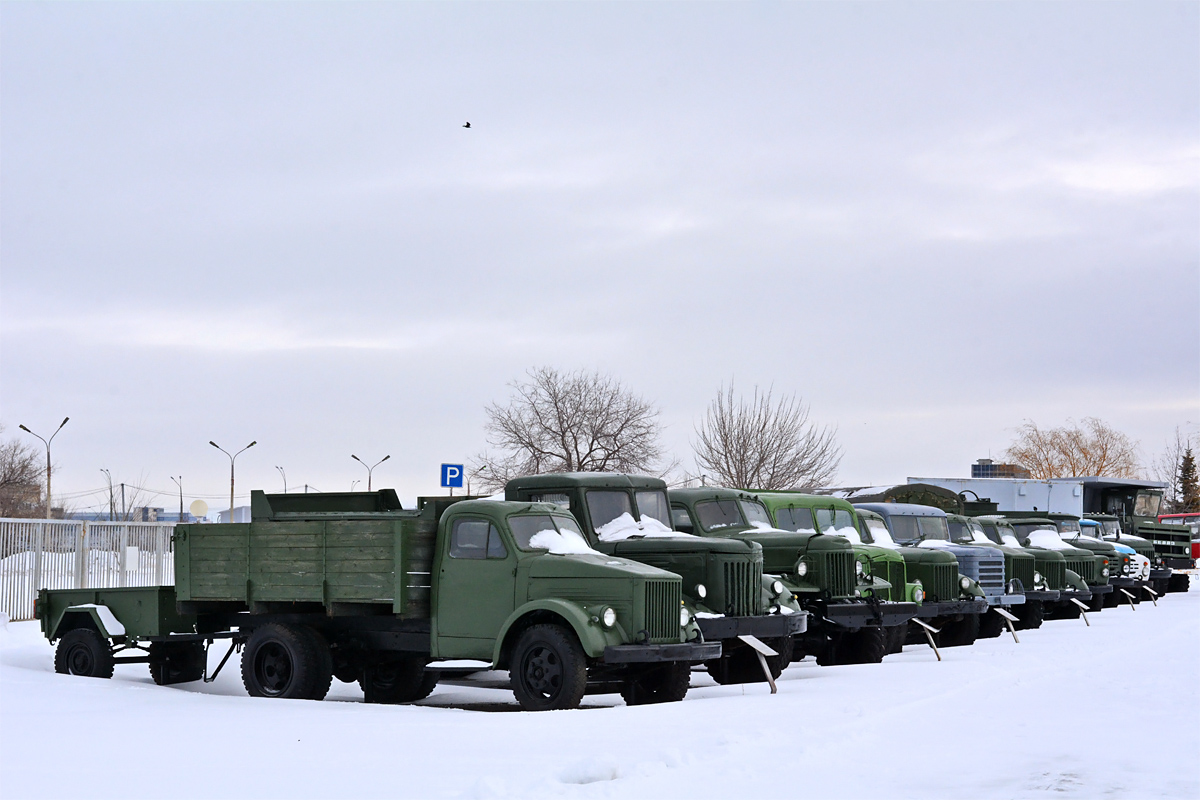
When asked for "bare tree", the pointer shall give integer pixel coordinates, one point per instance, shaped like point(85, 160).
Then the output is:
point(569, 422)
point(764, 444)
point(1091, 447)
point(21, 476)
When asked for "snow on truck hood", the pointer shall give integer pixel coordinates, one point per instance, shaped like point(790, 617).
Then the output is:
point(562, 544)
point(624, 527)
point(1048, 539)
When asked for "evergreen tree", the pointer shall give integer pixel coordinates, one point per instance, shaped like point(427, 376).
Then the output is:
point(1189, 489)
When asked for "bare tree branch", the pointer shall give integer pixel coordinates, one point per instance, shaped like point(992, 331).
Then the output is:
point(762, 444)
point(22, 473)
point(568, 422)
point(1089, 448)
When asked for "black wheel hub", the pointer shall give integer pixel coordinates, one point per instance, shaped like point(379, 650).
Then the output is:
point(273, 668)
point(80, 660)
point(542, 672)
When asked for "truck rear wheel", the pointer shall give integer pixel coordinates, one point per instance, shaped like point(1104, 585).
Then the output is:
point(991, 625)
point(1030, 615)
point(176, 662)
point(960, 632)
point(399, 680)
point(548, 669)
point(84, 652)
point(284, 661)
point(660, 683)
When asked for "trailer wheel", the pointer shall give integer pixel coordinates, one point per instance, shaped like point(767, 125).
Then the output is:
point(660, 683)
point(281, 661)
point(991, 625)
point(548, 669)
point(172, 662)
point(1031, 615)
point(740, 664)
point(400, 680)
point(961, 632)
point(84, 652)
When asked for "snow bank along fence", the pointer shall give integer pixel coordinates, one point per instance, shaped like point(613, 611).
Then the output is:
point(74, 554)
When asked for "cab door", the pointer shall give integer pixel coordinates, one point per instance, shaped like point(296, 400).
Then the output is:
point(476, 587)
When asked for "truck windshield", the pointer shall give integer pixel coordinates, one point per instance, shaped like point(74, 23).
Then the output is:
point(833, 520)
point(910, 529)
point(1147, 504)
point(1068, 528)
point(755, 513)
point(1111, 527)
point(716, 514)
point(1023, 529)
point(795, 519)
point(1008, 536)
point(654, 504)
point(546, 532)
point(604, 507)
point(970, 532)
point(878, 532)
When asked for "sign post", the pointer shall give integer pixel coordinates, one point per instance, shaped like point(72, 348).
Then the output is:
point(452, 477)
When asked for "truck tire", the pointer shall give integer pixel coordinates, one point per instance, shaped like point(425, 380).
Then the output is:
point(283, 661)
point(398, 680)
point(865, 646)
point(176, 662)
point(1179, 582)
point(548, 669)
point(660, 683)
point(1030, 615)
point(896, 636)
point(323, 675)
point(740, 664)
point(85, 653)
point(1113, 599)
point(991, 625)
point(960, 632)
point(1097, 603)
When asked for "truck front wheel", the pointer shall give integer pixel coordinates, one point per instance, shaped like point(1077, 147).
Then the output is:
point(961, 632)
point(991, 625)
point(84, 652)
point(1031, 615)
point(284, 661)
point(400, 680)
point(661, 683)
point(548, 669)
point(740, 664)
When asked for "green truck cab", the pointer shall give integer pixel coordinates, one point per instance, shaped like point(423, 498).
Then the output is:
point(1106, 574)
point(1085, 569)
point(820, 571)
point(1020, 567)
point(958, 582)
point(1051, 585)
point(724, 585)
point(353, 586)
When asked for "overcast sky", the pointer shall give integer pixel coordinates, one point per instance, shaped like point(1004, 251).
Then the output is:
point(264, 221)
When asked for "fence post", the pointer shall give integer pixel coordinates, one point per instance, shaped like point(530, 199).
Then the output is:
point(37, 558)
point(122, 544)
point(81, 557)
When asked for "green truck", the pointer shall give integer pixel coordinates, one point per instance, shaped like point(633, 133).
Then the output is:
point(1053, 583)
point(882, 575)
point(724, 585)
point(1121, 567)
point(353, 586)
point(1091, 568)
point(821, 571)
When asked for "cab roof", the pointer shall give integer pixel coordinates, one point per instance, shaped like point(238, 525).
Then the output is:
point(901, 509)
point(781, 498)
point(586, 480)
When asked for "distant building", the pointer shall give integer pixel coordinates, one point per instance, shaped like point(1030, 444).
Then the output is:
point(986, 468)
point(240, 514)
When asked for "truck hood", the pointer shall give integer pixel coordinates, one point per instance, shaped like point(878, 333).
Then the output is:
point(916, 555)
point(961, 549)
point(633, 548)
point(591, 566)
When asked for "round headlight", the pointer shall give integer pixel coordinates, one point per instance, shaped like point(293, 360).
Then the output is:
point(684, 617)
point(964, 582)
point(802, 568)
point(857, 593)
point(858, 568)
point(1104, 572)
point(608, 617)
point(1037, 577)
point(777, 587)
point(701, 591)
point(918, 594)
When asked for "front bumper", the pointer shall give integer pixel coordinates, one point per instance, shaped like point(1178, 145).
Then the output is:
point(773, 626)
point(1066, 595)
point(1160, 574)
point(949, 607)
point(1005, 599)
point(890, 614)
point(1123, 582)
point(1178, 562)
point(1101, 589)
point(1043, 595)
point(693, 652)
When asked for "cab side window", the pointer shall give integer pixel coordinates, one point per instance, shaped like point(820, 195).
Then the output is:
point(476, 538)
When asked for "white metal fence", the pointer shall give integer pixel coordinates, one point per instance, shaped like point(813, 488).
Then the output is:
point(73, 554)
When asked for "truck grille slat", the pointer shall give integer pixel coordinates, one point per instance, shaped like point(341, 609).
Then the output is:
point(895, 576)
point(1056, 574)
point(1022, 569)
point(1084, 568)
point(663, 600)
point(743, 587)
point(837, 572)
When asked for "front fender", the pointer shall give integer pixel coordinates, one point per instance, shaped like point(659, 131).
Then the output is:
point(973, 589)
point(88, 615)
point(1076, 582)
point(592, 635)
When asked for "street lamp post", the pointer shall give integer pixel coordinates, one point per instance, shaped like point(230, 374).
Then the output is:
point(49, 508)
point(284, 474)
point(112, 503)
point(179, 483)
point(371, 468)
point(231, 459)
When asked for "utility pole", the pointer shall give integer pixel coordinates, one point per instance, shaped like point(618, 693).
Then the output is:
point(49, 505)
point(179, 483)
point(231, 459)
point(112, 506)
point(124, 511)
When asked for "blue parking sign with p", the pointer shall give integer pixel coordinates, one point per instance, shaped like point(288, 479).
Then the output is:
point(452, 476)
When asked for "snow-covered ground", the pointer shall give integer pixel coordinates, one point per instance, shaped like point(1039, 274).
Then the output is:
point(1068, 712)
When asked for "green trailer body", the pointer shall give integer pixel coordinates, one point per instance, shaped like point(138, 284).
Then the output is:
point(354, 586)
point(725, 581)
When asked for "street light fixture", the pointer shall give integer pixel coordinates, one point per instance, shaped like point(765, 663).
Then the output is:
point(49, 506)
point(111, 501)
point(231, 458)
point(371, 468)
point(284, 474)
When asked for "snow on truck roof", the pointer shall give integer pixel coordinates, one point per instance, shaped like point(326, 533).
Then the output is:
point(902, 509)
